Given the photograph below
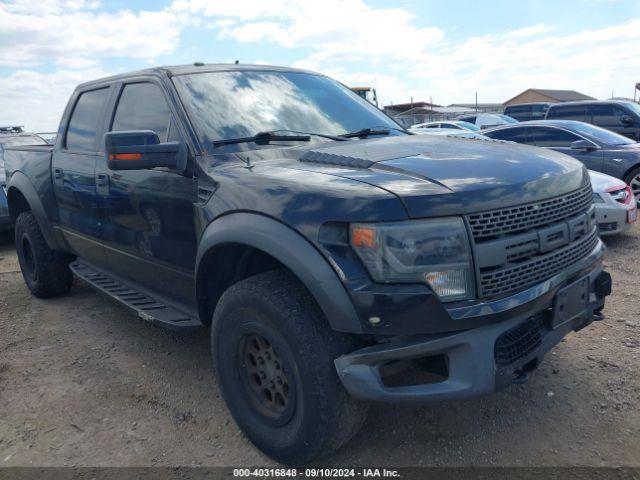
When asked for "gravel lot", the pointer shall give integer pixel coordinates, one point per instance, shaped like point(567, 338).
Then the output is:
point(83, 382)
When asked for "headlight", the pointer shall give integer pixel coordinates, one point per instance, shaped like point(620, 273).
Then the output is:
point(434, 251)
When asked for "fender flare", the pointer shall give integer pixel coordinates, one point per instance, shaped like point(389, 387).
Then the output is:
point(20, 182)
point(292, 250)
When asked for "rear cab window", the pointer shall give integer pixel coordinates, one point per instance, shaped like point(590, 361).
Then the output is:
point(86, 119)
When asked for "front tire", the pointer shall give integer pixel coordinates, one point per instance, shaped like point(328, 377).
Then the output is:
point(633, 180)
point(273, 352)
point(45, 271)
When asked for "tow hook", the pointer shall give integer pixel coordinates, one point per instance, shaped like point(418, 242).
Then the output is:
point(521, 375)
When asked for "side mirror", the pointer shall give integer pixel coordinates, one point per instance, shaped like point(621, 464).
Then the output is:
point(626, 120)
point(583, 145)
point(140, 150)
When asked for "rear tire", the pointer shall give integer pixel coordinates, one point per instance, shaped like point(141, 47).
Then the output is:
point(273, 353)
point(45, 271)
point(633, 180)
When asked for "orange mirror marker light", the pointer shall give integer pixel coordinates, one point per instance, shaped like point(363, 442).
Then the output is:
point(364, 237)
point(125, 156)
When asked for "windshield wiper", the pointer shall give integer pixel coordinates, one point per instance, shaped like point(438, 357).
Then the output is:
point(365, 132)
point(322, 135)
point(263, 138)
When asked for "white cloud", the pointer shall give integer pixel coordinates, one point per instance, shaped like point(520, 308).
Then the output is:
point(420, 61)
point(335, 29)
point(37, 100)
point(52, 31)
point(529, 31)
point(388, 48)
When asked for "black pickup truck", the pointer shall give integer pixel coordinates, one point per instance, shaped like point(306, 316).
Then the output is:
point(336, 258)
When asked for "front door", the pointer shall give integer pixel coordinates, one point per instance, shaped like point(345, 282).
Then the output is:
point(80, 210)
point(150, 225)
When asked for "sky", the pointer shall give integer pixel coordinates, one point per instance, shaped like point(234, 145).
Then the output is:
point(444, 51)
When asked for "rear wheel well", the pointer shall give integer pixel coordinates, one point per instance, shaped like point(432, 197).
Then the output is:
point(17, 204)
point(224, 266)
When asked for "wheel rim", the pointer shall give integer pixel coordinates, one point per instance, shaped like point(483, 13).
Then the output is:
point(28, 259)
point(635, 187)
point(265, 378)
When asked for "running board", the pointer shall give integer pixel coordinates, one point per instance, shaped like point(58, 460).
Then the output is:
point(145, 306)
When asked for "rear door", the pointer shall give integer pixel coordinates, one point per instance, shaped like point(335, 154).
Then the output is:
point(560, 140)
point(81, 212)
point(151, 225)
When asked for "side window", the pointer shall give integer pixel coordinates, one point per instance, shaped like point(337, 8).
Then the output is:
point(517, 134)
point(85, 118)
point(552, 137)
point(538, 111)
point(516, 110)
point(569, 112)
point(142, 106)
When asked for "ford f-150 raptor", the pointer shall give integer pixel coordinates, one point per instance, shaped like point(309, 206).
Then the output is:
point(336, 258)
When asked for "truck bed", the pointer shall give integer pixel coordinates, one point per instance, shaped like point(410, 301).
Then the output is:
point(34, 162)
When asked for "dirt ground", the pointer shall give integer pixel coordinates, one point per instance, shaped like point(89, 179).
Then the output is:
point(85, 383)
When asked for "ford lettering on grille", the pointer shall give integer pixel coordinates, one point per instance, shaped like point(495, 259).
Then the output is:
point(524, 245)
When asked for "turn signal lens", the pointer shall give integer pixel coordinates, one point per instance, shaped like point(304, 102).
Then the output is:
point(125, 156)
point(363, 237)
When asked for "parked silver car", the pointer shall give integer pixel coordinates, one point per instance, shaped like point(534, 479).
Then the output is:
point(616, 211)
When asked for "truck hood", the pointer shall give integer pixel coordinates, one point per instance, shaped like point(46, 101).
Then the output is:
point(436, 175)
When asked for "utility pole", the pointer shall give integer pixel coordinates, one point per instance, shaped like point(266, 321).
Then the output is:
point(412, 113)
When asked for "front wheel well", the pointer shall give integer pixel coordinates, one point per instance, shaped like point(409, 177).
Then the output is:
point(224, 266)
point(17, 204)
point(629, 171)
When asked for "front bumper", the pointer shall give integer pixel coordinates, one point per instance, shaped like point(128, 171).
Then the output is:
point(613, 217)
point(5, 220)
point(481, 360)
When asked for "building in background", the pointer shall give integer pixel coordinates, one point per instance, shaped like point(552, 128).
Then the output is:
point(538, 95)
point(480, 107)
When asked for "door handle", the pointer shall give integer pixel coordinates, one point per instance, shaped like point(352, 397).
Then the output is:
point(58, 173)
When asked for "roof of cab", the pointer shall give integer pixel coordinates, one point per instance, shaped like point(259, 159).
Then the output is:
point(590, 102)
point(194, 68)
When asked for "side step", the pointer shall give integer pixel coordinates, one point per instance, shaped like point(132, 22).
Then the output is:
point(145, 306)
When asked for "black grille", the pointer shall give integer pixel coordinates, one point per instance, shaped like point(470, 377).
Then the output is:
point(523, 217)
point(530, 272)
point(518, 342)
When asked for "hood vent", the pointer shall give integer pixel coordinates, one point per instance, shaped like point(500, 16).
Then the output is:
point(324, 158)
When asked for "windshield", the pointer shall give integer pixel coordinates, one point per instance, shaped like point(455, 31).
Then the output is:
point(227, 105)
point(468, 126)
point(600, 134)
point(507, 118)
point(633, 106)
point(23, 140)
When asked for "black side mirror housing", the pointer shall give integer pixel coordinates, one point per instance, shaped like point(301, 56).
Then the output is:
point(141, 150)
point(626, 120)
point(583, 145)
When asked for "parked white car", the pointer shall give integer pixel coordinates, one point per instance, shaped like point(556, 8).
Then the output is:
point(446, 126)
point(616, 211)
